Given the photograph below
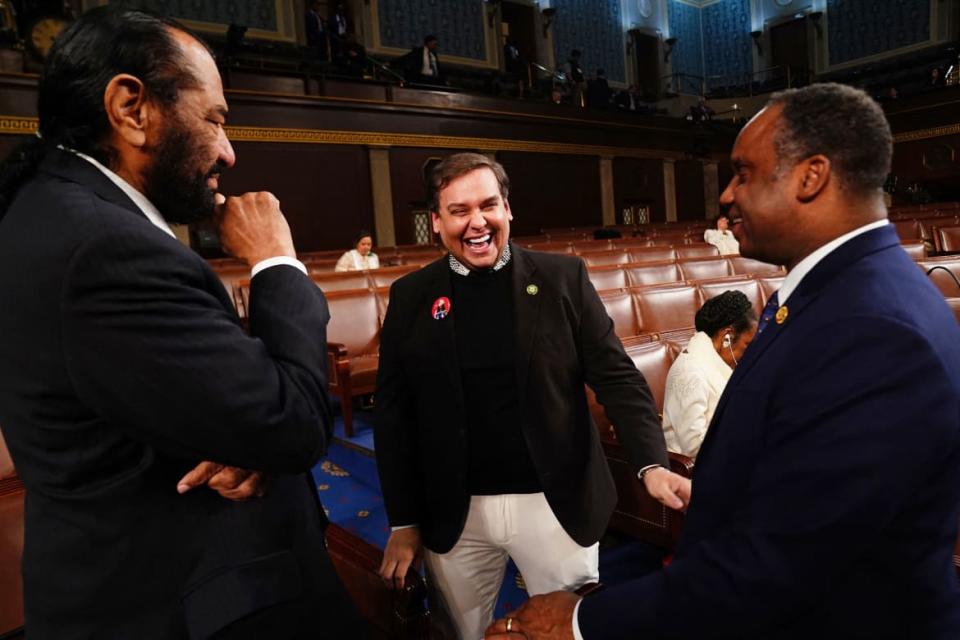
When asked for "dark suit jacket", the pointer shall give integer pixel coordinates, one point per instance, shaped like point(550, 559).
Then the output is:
point(124, 365)
point(826, 494)
point(564, 339)
point(412, 65)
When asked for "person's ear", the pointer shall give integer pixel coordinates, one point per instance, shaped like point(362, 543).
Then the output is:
point(814, 176)
point(506, 207)
point(128, 110)
point(435, 219)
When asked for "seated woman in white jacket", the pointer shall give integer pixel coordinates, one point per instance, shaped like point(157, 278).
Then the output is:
point(725, 326)
point(721, 237)
point(361, 257)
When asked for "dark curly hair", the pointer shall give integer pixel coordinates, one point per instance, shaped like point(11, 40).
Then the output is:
point(842, 123)
point(729, 309)
point(104, 42)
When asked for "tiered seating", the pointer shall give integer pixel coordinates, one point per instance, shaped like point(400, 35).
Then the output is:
point(922, 224)
point(353, 347)
point(944, 272)
point(11, 548)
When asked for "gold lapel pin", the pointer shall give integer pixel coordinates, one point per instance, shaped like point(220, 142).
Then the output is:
point(532, 289)
point(782, 314)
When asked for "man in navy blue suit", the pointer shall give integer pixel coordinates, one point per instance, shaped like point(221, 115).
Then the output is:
point(827, 493)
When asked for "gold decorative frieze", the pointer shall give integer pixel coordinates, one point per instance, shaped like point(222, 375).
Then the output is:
point(381, 139)
point(924, 134)
point(13, 125)
point(18, 126)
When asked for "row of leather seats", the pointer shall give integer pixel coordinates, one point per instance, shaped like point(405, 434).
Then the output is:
point(664, 308)
point(941, 232)
point(636, 274)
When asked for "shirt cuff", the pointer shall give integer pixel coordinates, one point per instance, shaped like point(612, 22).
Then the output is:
point(647, 468)
point(576, 625)
point(272, 262)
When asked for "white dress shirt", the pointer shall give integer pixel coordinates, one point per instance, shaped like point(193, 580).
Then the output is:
point(153, 215)
point(790, 284)
point(353, 261)
point(429, 67)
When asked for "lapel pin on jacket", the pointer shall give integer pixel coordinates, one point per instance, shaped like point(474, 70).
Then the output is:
point(532, 289)
point(441, 307)
point(782, 314)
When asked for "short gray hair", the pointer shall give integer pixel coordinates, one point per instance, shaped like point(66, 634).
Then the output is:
point(842, 123)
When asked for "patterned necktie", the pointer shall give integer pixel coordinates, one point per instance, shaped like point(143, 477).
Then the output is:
point(768, 312)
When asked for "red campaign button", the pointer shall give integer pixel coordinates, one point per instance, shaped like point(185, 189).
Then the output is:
point(440, 309)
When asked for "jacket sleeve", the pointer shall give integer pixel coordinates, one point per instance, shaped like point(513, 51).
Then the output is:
point(619, 387)
point(395, 433)
point(149, 347)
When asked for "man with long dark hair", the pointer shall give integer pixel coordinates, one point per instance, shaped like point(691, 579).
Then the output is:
point(130, 384)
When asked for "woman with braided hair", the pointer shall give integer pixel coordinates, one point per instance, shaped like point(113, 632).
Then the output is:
point(725, 326)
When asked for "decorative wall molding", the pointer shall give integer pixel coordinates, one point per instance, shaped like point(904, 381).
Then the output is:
point(265, 19)
point(12, 125)
point(924, 134)
point(375, 44)
point(382, 139)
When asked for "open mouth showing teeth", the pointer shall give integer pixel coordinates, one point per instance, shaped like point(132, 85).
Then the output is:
point(479, 243)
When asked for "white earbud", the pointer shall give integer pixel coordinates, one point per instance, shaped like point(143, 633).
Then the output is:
point(728, 344)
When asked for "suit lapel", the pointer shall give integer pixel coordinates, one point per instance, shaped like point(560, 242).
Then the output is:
point(441, 334)
point(527, 290)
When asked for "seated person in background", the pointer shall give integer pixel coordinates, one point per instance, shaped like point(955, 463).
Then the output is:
point(361, 257)
point(725, 326)
point(721, 237)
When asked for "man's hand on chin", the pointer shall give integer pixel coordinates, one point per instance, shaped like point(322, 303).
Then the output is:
point(232, 483)
point(546, 617)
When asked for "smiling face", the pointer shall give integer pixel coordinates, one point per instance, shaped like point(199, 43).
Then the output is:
point(759, 194)
point(473, 219)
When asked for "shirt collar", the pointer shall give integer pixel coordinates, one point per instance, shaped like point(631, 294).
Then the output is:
point(459, 268)
point(805, 266)
point(152, 213)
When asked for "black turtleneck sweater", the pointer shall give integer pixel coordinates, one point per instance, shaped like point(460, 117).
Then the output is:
point(499, 461)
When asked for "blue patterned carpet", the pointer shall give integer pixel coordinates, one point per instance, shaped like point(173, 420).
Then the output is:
point(350, 490)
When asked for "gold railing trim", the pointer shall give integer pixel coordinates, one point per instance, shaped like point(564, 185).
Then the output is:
point(924, 134)
point(25, 126)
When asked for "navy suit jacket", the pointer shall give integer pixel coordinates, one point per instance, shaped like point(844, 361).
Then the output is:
point(826, 493)
point(123, 365)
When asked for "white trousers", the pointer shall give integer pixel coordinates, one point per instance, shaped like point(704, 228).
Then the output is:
point(522, 526)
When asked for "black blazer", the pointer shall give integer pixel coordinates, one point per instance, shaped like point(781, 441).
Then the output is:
point(123, 366)
point(564, 339)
